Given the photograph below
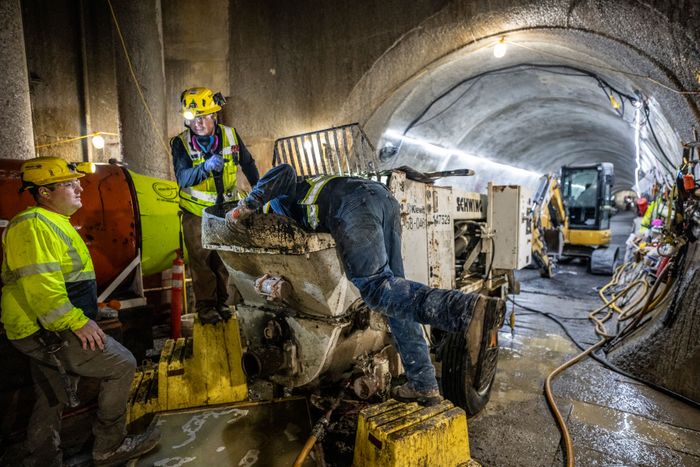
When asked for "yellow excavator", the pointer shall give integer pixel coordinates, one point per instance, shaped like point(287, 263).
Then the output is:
point(571, 218)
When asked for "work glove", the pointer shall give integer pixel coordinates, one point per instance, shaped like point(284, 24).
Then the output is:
point(214, 164)
point(240, 212)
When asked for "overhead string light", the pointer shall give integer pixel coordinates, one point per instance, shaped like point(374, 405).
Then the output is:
point(97, 140)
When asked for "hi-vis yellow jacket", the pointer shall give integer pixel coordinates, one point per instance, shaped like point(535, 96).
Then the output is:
point(194, 199)
point(43, 256)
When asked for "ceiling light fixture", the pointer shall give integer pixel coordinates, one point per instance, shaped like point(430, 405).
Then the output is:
point(499, 50)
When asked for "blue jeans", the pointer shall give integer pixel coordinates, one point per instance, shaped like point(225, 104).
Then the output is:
point(367, 231)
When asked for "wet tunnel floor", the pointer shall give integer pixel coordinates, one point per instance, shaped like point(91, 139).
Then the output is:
point(613, 420)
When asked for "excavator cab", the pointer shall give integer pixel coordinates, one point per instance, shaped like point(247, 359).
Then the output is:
point(572, 219)
point(586, 191)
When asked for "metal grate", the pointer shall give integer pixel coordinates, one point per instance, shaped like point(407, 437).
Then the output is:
point(342, 150)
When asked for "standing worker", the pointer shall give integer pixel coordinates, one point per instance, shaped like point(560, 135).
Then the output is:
point(363, 218)
point(49, 301)
point(206, 157)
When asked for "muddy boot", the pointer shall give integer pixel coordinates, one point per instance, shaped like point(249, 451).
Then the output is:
point(406, 393)
point(482, 332)
point(224, 311)
point(132, 447)
point(208, 316)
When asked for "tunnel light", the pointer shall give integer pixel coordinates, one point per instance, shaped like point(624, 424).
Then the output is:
point(467, 159)
point(98, 141)
point(499, 50)
point(308, 146)
point(614, 102)
point(637, 155)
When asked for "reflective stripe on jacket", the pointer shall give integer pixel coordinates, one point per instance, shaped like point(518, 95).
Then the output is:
point(194, 199)
point(43, 256)
point(309, 201)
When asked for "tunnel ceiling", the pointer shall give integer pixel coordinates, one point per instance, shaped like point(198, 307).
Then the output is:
point(543, 105)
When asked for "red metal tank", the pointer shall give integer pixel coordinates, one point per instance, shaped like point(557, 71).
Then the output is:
point(108, 220)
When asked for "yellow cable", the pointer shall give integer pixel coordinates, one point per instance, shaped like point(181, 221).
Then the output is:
point(136, 81)
point(74, 138)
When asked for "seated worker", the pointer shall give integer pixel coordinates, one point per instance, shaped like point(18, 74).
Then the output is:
point(49, 298)
point(206, 158)
point(363, 218)
point(587, 198)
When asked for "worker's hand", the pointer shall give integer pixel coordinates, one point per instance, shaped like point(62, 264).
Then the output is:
point(239, 213)
point(214, 163)
point(91, 335)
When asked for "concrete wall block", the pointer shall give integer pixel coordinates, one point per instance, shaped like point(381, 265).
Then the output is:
point(15, 126)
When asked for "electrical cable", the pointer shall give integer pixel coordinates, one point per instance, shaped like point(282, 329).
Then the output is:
point(616, 70)
point(511, 68)
point(653, 134)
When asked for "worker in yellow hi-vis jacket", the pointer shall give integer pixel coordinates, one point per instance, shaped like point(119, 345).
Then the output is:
point(49, 300)
point(206, 158)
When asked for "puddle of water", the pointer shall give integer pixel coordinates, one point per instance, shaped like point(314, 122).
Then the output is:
point(639, 428)
point(524, 362)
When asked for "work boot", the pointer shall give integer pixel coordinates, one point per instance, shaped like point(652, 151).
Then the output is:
point(406, 393)
point(132, 447)
point(482, 331)
point(208, 315)
point(224, 311)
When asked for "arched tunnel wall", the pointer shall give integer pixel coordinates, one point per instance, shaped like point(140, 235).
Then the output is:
point(313, 67)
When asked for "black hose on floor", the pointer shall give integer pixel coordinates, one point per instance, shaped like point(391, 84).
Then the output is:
point(607, 364)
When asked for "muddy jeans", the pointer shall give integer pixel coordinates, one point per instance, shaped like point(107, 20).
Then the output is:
point(210, 280)
point(115, 367)
point(367, 232)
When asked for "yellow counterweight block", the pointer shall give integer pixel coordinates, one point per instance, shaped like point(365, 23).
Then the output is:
point(589, 237)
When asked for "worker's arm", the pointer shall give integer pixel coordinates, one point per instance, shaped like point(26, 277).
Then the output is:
point(247, 162)
point(34, 255)
point(186, 174)
point(278, 181)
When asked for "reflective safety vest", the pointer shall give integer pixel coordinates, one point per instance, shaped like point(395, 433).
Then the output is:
point(309, 201)
point(195, 198)
point(46, 271)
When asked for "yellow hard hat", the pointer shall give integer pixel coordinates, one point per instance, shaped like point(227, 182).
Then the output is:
point(42, 171)
point(196, 102)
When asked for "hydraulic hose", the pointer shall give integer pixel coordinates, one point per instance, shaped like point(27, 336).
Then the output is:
point(319, 429)
point(566, 437)
point(600, 330)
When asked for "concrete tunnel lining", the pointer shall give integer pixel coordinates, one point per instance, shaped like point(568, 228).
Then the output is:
point(528, 116)
point(445, 49)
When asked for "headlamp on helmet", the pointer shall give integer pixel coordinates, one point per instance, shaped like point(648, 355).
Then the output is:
point(198, 102)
